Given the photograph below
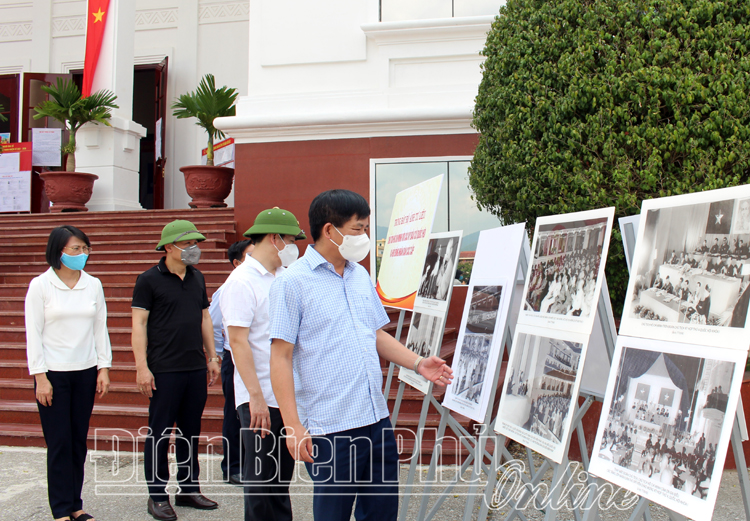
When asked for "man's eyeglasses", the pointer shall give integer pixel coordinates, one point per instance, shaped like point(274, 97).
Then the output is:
point(79, 249)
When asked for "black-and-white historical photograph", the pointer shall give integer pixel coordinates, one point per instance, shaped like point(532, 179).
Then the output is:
point(666, 418)
point(470, 370)
point(540, 386)
point(439, 269)
point(690, 267)
point(564, 279)
point(566, 263)
point(424, 338)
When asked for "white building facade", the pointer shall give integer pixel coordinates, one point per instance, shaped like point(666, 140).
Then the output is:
point(371, 95)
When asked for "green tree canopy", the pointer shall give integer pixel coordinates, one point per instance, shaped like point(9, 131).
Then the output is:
point(593, 103)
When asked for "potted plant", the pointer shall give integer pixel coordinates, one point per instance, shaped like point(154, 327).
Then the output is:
point(70, 190)
point(208, 185)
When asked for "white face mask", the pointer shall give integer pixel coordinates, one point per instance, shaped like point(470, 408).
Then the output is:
point(353, 248)
point(288, 255)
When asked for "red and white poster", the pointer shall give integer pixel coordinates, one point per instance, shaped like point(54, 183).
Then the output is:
point(406, 243)
point(15, 177)
point(223, 153)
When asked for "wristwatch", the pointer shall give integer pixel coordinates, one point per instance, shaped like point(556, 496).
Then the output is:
point(215, 359)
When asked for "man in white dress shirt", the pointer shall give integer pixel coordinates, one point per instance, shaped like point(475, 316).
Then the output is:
point(268, 466)
point(231, 467)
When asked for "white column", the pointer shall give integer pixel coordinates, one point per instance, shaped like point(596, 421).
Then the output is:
point(184, 75)
point(41, 35)
point(113, 153)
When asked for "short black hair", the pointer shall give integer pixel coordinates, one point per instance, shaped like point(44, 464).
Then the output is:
point(58, 238)
point(335, 207)
point(257, 238)
point(235, 250)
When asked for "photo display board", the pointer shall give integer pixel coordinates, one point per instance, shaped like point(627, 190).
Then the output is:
point(433, 298)
point(407, 242)
point(666, 422)
point(439, 271)
point(596, 364)
point(483, 323)
point(690, 267)
point(565, 274)
point(541, 389)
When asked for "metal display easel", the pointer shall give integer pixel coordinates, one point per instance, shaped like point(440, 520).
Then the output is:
point(476, 445)
point(561, 470)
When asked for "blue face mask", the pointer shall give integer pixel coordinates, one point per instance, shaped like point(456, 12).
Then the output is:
point(74, 262)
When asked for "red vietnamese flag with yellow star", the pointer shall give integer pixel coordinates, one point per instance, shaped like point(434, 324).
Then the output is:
point(96, 21)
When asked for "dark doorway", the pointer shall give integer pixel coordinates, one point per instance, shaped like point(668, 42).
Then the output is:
point(143, 113)
point(9, 102)
point(149, 110)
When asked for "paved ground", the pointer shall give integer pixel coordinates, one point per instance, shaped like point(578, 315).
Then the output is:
point(114, 491)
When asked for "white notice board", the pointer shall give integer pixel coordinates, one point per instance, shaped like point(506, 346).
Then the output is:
point(15, 192)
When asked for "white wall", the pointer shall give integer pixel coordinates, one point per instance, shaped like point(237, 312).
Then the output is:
point(322, 71)
point(305, 70)
point(198, 37)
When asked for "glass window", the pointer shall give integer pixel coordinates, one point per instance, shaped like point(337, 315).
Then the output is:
point(476, 7)
point(456, 209)
point(397, 10)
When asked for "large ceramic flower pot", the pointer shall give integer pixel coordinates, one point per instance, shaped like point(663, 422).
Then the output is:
point(208, 185)
point(68, 191)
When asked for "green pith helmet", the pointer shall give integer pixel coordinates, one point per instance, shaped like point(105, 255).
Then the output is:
point(178, 231)
point(276, 220)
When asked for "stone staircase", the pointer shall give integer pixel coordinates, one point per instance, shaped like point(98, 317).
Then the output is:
point(123, 244)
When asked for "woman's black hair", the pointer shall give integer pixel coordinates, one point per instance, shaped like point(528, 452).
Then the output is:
point(58, 239)
point(335, 207)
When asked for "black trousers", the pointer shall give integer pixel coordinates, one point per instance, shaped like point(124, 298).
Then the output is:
point(268, 470)
point(230, 429)
point(179, 399)
point(65, 424)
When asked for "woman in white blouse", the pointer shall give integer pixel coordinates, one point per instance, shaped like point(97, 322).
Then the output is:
point(69, 354)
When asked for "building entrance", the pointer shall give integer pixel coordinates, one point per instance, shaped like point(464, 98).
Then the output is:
point(20, 93)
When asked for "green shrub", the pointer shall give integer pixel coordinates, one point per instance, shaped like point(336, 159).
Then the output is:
point(592, 103)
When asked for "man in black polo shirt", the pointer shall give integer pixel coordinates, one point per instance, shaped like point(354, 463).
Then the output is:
point(170, 316)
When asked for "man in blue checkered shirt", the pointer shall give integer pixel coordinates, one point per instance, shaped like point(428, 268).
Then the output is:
point(326, 332)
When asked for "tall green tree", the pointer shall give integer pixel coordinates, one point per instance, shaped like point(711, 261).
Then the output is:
point(592, 103)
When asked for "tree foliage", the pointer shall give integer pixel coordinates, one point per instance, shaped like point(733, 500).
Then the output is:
point(206, 104)
point(592, 103)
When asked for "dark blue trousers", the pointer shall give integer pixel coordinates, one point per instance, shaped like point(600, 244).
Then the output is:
point(65, 425)
point(230, 429)
point(179, 399)
point(359, 464)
